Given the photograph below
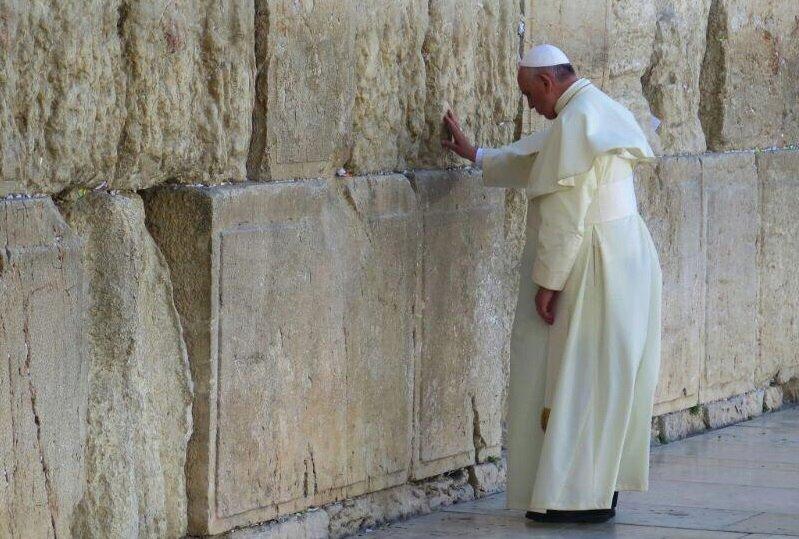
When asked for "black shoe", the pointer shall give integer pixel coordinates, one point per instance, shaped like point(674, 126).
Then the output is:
point(588, 516)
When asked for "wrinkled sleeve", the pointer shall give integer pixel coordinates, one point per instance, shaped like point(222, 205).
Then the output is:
point(561, 230)
point(510, 165)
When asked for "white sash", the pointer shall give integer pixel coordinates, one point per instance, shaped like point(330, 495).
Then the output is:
point(612, 201)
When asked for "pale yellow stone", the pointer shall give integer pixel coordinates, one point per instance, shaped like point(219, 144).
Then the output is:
point(298, 305)
point(750, 97)
point(670, 200)
point(139, 412)
point(305, 56)
point(466, 315)
point(129, 93)
point(778, 260)
point(43, 371)
point(730, 197)
point(671, 82)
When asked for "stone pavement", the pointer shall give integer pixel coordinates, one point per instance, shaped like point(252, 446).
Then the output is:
point(740, 481)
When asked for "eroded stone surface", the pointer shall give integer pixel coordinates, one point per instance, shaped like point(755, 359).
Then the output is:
point(306, 291)
point(388, 113)
point(749, 93)
point(305, 55)
point(466, 317)
point(730, 196)
point(43, 372)
point(139, 411)
point(187, 90)
point(778, 247)
point(671, 82)
point(131, 93)
point(739, 408)
point(670, 200)
point(470, 51)
point(681, 424)
point(60, 115)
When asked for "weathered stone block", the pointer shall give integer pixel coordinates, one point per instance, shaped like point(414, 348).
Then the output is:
point(670, 200)
point(297, 301)
point(43, 372)
point(778, 173)
point(470, 50)
point(60, 118)
point(188, 85)
point(749, 93)
point(488, 478)
point(772, 398)
point(388, 119)
point(132, 93)
point(305, 56)
point(681, 424)
point(139, 412)
point(466, 316)
point(732, 223)
point(671, 82)
point(739, 408)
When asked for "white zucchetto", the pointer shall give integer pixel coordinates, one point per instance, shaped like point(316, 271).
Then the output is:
point(543, 56)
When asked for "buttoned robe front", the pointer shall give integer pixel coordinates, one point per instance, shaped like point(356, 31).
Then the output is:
point(581, 391)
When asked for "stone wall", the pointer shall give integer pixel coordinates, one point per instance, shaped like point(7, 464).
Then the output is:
point(206, 328)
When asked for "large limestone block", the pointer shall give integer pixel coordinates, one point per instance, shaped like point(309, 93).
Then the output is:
point(189, 90)
point(749, 93)
point(305, 56)
point(43, 372)
point(671, 82)
point(129, 92)
point(778, 173)
point(471, 50)
point(388, 113)
point(60, 81)
point(670, 200)
point(466, 315)
point(730, 197)
point(298, 304)
point(139, 415)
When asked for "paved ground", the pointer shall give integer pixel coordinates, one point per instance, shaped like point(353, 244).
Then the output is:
point(740, 481)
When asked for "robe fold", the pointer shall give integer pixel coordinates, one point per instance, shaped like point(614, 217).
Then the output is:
point(581, 391)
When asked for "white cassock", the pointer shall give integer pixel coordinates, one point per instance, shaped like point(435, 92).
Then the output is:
point(588, 380)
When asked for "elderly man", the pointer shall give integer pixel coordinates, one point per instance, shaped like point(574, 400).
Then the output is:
point(584, 362)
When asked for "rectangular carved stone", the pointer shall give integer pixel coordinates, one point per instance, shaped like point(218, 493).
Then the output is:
point(750, 97)
point(465, 311)
point(43, 370)
point(730, 196)
point(670, 200)
point(297, 300)
point(778, 260)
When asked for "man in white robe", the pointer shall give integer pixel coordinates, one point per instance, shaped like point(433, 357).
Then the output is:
point(585, 353)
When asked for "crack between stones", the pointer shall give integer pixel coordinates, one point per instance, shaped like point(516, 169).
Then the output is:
point(477, 436)
point(32, 391)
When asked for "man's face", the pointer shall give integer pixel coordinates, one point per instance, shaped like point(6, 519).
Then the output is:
point(538, 89)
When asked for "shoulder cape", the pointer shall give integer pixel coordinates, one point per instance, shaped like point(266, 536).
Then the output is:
point(591, 124)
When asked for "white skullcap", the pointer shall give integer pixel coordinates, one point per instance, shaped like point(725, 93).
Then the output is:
point(543, 56)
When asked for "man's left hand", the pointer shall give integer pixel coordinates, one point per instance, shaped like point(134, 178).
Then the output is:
point(545, 301)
